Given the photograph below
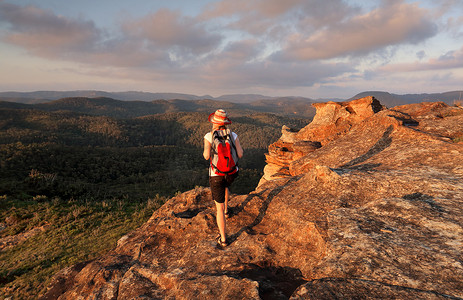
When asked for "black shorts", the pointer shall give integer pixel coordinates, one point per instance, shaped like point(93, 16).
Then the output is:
point(219, 184)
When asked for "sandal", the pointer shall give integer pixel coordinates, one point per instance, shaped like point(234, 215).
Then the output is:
point(221, 243)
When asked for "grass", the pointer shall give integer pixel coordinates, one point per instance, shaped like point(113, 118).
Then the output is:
point(76, 231)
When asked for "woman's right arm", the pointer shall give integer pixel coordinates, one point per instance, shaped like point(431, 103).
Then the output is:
point(207, 149)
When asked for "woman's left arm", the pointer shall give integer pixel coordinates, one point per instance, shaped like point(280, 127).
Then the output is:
point(239, 150)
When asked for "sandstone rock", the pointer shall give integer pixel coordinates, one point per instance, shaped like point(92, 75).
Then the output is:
point(302, 148)
point(375, 213)
point(282, 153)
point(399, 136)
point(334, 119)
point(288, 135)
point(276, 171)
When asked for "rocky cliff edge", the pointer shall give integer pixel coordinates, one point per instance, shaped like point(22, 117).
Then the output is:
point(364, 202)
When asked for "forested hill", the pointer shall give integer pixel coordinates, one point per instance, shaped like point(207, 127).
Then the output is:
point(149, 150)
point(291, 106)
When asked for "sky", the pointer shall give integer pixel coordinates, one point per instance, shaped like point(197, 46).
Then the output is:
point(308, 48)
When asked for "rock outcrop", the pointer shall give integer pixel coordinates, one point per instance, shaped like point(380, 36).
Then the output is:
point(332, 120)
point(367, 202)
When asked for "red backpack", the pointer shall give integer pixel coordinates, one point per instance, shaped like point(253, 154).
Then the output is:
point(224, 158)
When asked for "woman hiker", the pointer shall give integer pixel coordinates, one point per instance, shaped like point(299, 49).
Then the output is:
point(219, 179)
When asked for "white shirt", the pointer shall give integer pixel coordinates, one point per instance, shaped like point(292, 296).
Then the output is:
point(208, 137)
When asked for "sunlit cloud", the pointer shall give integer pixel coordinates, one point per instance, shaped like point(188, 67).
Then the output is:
point(172, 30)
point(390, 25)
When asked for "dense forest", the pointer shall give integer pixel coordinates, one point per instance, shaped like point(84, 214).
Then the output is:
point(87, 178)
point(67, 154)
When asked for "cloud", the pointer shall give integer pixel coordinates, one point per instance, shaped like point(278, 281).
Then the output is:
point(294, 29)
point(239, 66)
point(421, 54)
point(314, 14)
point(43, 33)
point(312, 29)
point(263, 8)
point(163, 39)
point(448, 61)
point(275, 19)
point(393, 23)
point(241, 51)
point(233, 68)
point(444, 7)
point(170, 29)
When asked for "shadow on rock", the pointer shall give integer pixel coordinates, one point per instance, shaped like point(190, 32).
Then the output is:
point(274, 282)
point(188, 214)
point(423, 198)
point(404, 118)
point(262, 210)
point(383, 143)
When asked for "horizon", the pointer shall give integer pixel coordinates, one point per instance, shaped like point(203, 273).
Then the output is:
point(302, 48)
point(224, 95)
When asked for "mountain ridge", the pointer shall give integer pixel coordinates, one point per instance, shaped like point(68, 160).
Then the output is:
point(386, 98)
point(391, 100)
point(47, 96)
point(237, 104)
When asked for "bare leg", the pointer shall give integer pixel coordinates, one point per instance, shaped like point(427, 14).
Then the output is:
point(221, 221)
point(226, 201)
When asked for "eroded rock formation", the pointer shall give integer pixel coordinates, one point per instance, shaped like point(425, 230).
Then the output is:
point(332, 120)
point(366, 203)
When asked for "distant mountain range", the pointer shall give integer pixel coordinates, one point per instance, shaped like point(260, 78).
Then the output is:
point(391, 100)
point(103, 106)
point(133, 104)
point(47, 96)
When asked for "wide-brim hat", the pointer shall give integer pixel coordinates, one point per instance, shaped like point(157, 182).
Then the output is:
point(219, 117)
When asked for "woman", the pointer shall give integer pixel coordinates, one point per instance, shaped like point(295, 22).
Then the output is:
point(220, 182)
